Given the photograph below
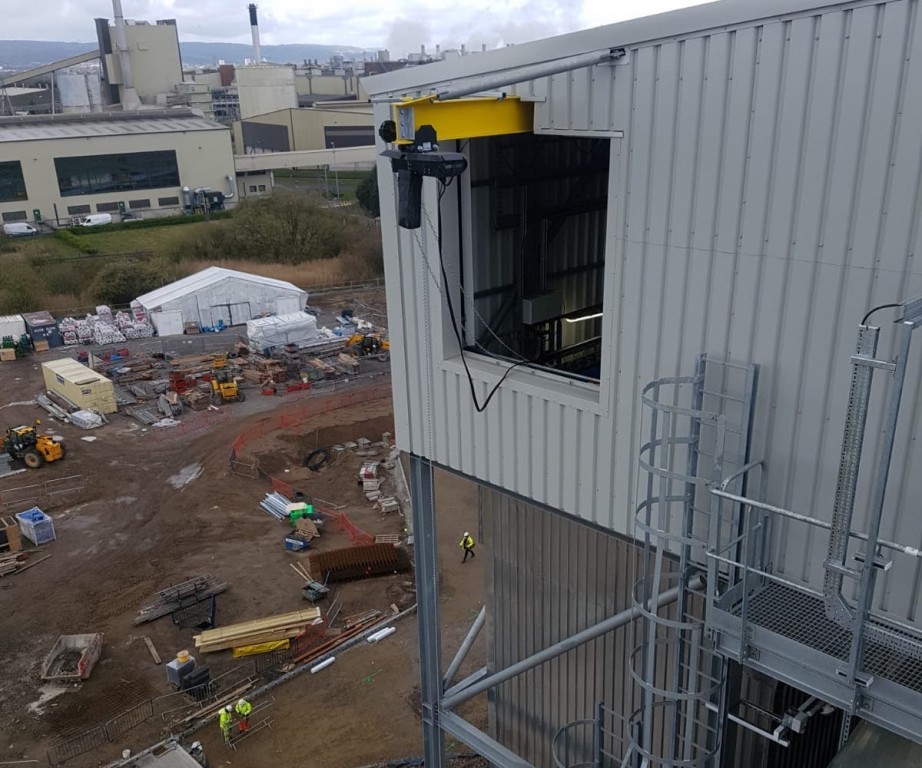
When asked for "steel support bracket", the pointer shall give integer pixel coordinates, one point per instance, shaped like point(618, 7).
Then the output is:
point(861, 678)
point(843, 570)
point(881, 563)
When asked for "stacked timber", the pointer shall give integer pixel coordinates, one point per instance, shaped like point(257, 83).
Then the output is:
point(283, 626)
point(14, 562)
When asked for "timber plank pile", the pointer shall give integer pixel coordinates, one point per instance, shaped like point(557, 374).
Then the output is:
point(284, 626)
point(15, 562)
point(359, 562)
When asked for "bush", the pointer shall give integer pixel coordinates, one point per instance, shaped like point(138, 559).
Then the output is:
point(367, 193)
point(120, 282)
point(284, 229)
point(20, 287)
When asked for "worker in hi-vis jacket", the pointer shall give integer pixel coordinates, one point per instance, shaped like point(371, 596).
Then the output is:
point(226, 721)
point(243, 709)
point(467, 543)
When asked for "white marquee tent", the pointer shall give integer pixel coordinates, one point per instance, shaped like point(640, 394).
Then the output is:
point(217, 296)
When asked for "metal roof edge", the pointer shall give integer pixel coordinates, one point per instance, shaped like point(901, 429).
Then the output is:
point(684, 21)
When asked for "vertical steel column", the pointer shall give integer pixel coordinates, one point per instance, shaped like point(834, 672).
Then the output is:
point(422, 498)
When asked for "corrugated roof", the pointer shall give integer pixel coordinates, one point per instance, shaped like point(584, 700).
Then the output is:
point(75, 372)
point(203, 279)
point(682, 22)
point(17, 129)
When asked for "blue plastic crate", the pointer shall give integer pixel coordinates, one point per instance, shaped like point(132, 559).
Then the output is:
point(36, 526)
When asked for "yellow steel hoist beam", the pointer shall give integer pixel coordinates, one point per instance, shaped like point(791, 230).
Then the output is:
point(464, 118)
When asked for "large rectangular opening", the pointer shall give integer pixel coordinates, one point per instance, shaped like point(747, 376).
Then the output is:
point(534, 290)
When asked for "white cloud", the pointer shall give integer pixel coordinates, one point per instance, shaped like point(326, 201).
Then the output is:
point(367, 23)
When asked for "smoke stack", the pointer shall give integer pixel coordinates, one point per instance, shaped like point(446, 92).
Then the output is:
point(254, 28)
point(483, 47)
point(438, 50)
point(130, 98)
point(422, 51)
point(463, 49)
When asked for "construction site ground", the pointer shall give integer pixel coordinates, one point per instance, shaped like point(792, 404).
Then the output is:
point(160, 507)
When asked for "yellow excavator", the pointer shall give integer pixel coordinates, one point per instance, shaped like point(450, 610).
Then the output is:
point(369, 344)
point(31, 448)
point(224, 388)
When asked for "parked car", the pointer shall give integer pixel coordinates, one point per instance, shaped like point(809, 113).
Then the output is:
point(19, 229)
point(95, 220)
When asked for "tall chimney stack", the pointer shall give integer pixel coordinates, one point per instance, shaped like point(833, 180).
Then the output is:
point(254, 28)
point(129, 96)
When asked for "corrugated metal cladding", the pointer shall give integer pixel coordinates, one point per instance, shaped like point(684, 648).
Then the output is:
point(766, 192)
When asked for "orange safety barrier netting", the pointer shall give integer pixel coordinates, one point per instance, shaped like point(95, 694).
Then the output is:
point(314, 405)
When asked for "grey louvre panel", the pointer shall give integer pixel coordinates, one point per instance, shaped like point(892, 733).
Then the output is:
point(167, 202)
point(77, 210)
point(15, 216)
point(553, 576)
point(261, 137)
point(137, 204)
point(106, 207)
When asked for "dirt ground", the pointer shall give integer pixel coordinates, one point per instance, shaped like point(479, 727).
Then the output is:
point(161, 507)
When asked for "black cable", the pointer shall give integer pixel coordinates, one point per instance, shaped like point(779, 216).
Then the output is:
point(875, 309)
point(454, 324)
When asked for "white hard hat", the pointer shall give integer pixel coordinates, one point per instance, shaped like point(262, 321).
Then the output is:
point(228, 708)
point(466, 533)
point(241, 702)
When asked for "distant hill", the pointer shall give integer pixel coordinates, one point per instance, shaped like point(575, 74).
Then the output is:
point(16, 55)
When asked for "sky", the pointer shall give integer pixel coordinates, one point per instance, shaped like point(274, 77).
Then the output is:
point(372, 24)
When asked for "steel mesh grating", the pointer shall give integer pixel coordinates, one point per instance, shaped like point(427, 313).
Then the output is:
point(802, 618)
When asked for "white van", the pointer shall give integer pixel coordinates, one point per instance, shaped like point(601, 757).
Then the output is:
point(95, 220)
point(19, 229)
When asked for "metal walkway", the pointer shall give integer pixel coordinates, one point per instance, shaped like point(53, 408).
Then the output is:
point(788, 636)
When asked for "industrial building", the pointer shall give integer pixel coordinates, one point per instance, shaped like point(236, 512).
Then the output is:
point(639, 278)
point(326, 125)
point(58, 168)
point(216, 297)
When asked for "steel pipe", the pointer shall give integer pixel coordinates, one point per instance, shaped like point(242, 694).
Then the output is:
point(568, 644)
point(465, 648)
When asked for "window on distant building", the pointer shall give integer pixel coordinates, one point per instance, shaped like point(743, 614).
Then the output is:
point(168, 202)
point(138, 204)
point(78, 210)
point(106, 207)
point(262, 187)
point(252, 188)
point(12, 184)
point(15, 216)
point(105, 174)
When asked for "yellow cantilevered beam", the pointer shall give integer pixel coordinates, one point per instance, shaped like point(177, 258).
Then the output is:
point(464, 118)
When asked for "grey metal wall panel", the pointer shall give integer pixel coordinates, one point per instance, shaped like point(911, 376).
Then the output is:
point(552, 577)
point(765, 193)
